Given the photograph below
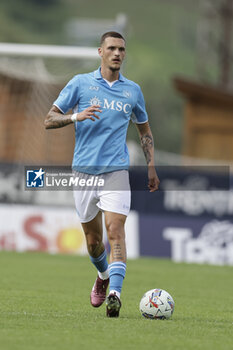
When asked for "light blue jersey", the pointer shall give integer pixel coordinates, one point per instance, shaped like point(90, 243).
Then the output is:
point(100, 146)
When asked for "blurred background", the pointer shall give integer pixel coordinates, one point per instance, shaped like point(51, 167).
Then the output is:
point(180, 53)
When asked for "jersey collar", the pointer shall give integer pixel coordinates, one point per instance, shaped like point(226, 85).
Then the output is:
point(98, 76)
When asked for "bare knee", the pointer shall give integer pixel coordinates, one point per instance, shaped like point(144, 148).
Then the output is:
point(93, 249)
point(94, 243)
point(93, 234)
point(115, 230)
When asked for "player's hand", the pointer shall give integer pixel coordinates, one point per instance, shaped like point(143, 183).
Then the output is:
point(153, 180)
point(89, 113)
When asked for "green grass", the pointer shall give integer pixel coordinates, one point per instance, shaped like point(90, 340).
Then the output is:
point(44, 304)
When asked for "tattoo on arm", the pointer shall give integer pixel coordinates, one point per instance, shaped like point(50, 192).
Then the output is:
point(147, 146)
point(117, 252)
point(57, 120)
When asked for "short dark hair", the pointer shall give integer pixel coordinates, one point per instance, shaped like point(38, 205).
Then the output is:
point(110, 35)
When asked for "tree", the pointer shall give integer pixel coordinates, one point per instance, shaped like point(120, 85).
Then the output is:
point(215, 42)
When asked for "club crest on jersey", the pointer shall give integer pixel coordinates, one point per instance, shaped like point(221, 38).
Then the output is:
point(126, 93)
point(113, 105)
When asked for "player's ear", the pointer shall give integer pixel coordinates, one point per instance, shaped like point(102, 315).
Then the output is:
point(100, 51)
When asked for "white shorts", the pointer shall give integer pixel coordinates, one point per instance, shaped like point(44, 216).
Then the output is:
point(115, 196)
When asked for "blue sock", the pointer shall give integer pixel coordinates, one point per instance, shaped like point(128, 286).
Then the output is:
point(101, 262)
point(117, 271)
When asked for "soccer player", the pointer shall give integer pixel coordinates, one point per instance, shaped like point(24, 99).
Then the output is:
point(102, 103)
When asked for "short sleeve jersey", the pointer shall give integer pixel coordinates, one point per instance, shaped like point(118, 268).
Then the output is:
point(100, 146)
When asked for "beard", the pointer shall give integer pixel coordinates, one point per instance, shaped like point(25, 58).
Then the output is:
point(114, 69)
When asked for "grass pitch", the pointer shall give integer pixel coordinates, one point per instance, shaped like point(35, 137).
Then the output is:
point(44, 304)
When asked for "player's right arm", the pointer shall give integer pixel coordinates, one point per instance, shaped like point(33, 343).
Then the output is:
point(56, 119)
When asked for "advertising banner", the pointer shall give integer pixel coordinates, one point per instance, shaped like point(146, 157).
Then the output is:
point(186, 191)
point(193, 240)
point(53, 230)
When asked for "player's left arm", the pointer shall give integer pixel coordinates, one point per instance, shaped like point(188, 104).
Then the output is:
point(147, 144)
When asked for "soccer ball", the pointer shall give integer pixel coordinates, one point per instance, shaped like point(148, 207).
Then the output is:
point(157, 304)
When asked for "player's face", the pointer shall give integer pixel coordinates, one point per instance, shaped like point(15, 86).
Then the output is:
point(112, 53)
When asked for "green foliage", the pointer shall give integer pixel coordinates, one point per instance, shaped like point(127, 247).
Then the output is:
point(32, 21)
point(44, 305)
